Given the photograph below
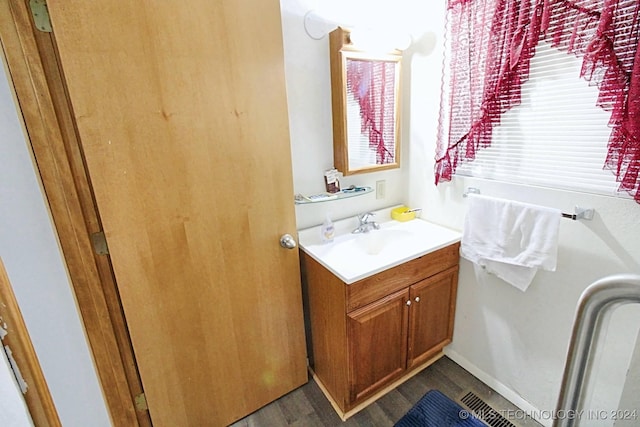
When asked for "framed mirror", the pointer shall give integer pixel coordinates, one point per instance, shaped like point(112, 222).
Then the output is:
point(365, 94)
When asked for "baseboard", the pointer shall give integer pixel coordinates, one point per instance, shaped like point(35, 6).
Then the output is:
point(500, 388)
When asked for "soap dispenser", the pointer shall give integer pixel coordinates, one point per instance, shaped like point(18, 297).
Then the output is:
point(327, 230)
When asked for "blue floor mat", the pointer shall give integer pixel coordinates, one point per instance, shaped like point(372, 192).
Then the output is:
point(435, 409)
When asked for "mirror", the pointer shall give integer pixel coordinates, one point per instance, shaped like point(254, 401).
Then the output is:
point(365, 93)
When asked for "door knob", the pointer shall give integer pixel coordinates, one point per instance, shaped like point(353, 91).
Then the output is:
point(287, 241)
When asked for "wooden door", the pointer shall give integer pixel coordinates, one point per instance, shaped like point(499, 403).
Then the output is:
point(377, 336)
point(182, 116)
point(432, 315)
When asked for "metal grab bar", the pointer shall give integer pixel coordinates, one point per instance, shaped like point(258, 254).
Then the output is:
point(595, 302)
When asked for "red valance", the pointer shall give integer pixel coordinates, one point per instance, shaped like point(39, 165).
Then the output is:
point(492, 42)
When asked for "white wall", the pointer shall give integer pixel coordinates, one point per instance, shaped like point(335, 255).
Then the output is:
point(309, 96)
point(514, 341)
point(13, 409)
point(31, 254)
point(629, 399)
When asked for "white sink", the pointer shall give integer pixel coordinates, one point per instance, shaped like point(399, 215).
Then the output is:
point(353, 257)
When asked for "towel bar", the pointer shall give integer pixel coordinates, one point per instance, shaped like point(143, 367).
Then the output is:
point(579, 213)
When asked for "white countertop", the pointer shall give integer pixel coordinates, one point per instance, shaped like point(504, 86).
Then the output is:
point(353, 257)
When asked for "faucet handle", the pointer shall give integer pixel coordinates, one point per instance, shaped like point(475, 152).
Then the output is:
point(364, 217)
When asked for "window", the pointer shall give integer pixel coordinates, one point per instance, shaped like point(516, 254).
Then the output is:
point(549, 130)
point(557, 137)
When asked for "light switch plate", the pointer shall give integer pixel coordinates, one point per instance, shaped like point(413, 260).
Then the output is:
point(381, 189)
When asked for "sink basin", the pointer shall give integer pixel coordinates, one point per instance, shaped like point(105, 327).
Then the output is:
point(353, 257)
point(374, 242)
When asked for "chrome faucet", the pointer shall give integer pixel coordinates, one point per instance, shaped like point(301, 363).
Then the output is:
point(365, 225)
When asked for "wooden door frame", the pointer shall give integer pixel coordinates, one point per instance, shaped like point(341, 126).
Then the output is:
point(47, 115)
point(17, 344)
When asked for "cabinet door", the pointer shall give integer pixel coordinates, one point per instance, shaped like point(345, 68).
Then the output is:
point(432, 312)
point(377, 344)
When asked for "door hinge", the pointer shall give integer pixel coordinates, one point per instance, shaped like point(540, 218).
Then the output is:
point(141, 402)
point(99, 242)
point(40, 15)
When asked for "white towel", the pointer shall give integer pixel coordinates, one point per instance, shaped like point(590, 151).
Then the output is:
point(510, 239)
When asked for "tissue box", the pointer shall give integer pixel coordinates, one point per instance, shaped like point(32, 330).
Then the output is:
point(400, 214)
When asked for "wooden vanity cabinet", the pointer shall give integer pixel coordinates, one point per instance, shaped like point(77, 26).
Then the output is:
point(371, 335)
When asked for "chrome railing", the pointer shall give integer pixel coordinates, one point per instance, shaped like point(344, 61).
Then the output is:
point(595, 303)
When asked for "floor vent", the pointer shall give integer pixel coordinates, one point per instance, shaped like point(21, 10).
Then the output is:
point(485, 412)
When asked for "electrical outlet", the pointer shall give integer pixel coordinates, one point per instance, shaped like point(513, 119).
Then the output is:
point(381, 189)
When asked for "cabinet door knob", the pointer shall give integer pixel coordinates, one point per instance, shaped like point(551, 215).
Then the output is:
point(409, 302)
point(417, 299)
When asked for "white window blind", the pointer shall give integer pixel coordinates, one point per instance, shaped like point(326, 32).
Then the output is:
point(557, 137)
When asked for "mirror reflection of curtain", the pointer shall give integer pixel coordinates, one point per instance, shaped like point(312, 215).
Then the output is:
point(371, 111)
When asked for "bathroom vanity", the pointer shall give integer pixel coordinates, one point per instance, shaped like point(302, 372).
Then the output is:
point(374, 327)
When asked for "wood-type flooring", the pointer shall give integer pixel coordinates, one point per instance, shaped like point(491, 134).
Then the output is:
point(307, 406)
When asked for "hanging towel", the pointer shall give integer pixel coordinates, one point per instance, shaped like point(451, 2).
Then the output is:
point(510, 239)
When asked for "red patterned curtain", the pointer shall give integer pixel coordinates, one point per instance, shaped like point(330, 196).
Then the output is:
point(492, 42)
